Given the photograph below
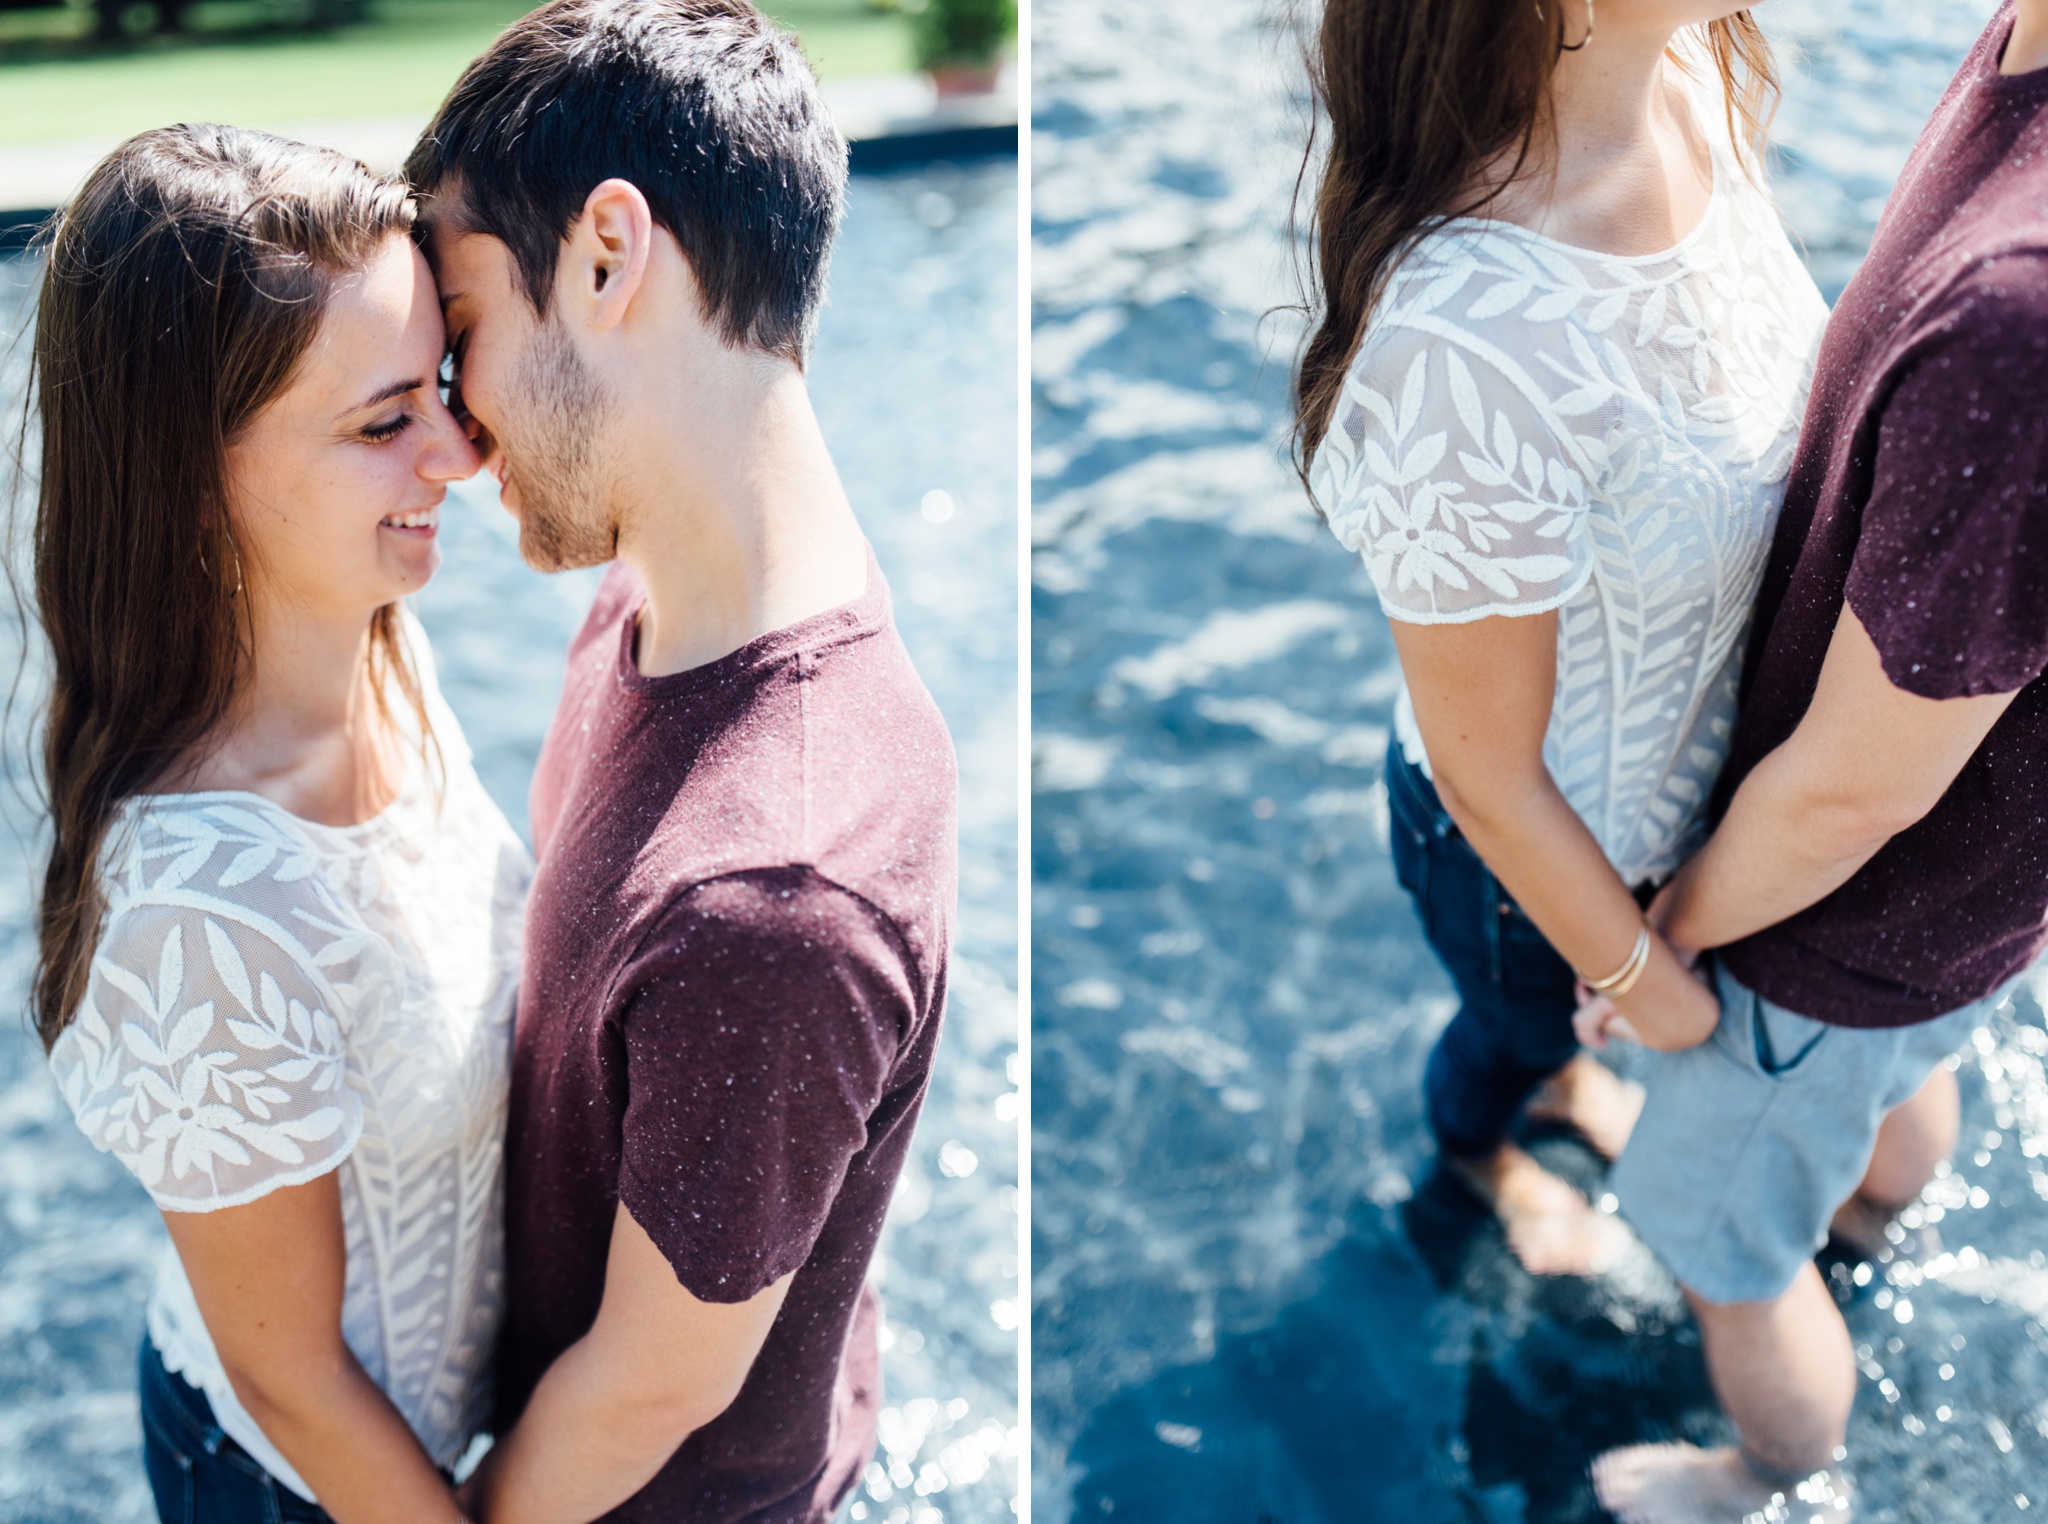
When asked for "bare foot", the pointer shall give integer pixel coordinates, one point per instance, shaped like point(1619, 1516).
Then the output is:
point(1551, 1228)
point(1683, 1484)
point(1587, 1095)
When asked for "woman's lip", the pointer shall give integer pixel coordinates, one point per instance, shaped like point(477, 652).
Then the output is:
point(421, 532)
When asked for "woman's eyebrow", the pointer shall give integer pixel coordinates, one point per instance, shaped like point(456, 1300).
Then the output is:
point(395, 389)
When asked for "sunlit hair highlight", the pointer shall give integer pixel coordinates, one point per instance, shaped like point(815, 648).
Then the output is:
point(181, 288)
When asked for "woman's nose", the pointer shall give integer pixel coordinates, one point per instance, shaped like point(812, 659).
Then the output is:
point(450, 456)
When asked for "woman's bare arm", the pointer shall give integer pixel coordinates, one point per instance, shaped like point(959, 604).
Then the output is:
point(268, 1278)
point(1482, 694)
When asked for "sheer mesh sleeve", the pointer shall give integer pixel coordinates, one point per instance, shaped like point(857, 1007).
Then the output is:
point(1455, 480)
point(207, 1059)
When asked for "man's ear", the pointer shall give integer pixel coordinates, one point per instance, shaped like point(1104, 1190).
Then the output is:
point(606, 260)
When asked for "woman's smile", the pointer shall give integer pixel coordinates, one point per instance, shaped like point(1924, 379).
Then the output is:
point(420, 523)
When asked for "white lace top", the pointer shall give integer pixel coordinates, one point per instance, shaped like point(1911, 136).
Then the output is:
point(1530, 426)
point(273, 999)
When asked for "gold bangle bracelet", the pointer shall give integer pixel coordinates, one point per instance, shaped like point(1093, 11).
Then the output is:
point(1623, 979)
point(1634, 974)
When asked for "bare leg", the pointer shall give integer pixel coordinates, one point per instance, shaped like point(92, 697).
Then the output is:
point(1551, 1228)
point(1917, 1135)
point(1785, 1374)
point(1587, 1095)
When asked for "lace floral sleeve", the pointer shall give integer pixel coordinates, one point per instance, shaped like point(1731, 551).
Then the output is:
point(207, 1059)
point(1455, 479)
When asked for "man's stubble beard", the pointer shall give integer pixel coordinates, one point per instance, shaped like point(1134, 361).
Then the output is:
point(566, 517)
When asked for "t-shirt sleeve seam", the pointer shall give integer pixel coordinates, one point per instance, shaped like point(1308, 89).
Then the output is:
point(754, 1276)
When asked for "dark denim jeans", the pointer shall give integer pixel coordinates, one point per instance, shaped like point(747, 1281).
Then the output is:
point(199, 1475)
point(1516, 996)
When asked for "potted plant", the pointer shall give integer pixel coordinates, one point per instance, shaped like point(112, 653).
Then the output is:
point(960, 42)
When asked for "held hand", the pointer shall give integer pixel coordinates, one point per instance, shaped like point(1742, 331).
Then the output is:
point(1671, 1008)
point(1598, 1023)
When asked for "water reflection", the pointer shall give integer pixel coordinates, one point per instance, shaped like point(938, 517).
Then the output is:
point(1252, 1300)
point(915, 384)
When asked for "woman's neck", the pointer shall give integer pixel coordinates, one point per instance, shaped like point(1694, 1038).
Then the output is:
point(306, 732)
point(1620, 167)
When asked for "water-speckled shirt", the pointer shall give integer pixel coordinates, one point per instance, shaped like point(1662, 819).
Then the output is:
point(1920, 498)
point(736, 963)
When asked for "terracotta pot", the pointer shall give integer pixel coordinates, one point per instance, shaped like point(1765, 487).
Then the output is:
point(965, 79)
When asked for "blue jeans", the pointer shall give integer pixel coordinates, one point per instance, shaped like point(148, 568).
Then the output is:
point(1516, 996)
point(199, 1475)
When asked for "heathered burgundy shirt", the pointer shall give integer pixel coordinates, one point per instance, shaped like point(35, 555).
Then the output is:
point(1920, 495)
point(735, 965)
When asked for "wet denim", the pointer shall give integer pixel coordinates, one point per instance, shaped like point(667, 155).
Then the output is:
point(198, 1474)
point(1516, 995)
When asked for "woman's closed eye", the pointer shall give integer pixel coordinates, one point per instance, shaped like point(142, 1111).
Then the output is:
point(391, 428)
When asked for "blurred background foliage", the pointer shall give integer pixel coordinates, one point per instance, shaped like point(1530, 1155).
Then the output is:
point(111, 67)
point(968, 34)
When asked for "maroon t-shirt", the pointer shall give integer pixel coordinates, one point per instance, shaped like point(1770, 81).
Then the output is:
point(735, 965)
point(1920, 495)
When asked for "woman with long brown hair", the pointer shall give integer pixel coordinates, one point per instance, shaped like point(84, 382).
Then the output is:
point(279, 926)
point(1562, 351)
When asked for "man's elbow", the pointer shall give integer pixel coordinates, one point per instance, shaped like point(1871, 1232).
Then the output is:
point(672, 1414)
point(1852, 824)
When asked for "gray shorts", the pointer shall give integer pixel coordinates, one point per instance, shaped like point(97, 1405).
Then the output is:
point(1749, 1142)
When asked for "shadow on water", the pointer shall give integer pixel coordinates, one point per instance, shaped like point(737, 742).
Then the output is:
point(1416, 1374)
point(1253, 1298)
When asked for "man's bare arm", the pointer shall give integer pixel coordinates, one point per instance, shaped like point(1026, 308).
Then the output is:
point(656, 1366)
point(1869, 760)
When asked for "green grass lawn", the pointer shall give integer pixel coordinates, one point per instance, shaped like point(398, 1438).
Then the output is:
point(238, 63)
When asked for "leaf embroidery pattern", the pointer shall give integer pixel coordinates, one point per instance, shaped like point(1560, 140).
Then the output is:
point(271, 1001)
point(1529, 427)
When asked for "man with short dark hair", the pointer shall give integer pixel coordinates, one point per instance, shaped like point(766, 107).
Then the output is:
point(736, 949)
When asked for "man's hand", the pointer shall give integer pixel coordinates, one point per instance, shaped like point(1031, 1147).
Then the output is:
point(1867, 761)
point(657, 1365)
point(1596, 1023)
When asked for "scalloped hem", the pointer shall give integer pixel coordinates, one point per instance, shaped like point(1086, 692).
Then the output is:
point(1492, 610)
point(304, 1175)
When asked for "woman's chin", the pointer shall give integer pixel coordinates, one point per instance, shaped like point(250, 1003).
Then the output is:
point(412, 562)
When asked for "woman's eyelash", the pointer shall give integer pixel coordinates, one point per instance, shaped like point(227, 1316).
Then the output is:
point(379, 432)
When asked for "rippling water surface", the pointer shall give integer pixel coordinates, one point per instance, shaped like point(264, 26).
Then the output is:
point(1249, 1303)
point(915, 384)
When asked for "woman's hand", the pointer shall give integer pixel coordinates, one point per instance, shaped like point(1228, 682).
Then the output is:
point(1482, 694)
point(1596, 1023)
point(1668, 1008)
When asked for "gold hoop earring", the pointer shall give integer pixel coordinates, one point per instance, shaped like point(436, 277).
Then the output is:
point(1573, 47)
